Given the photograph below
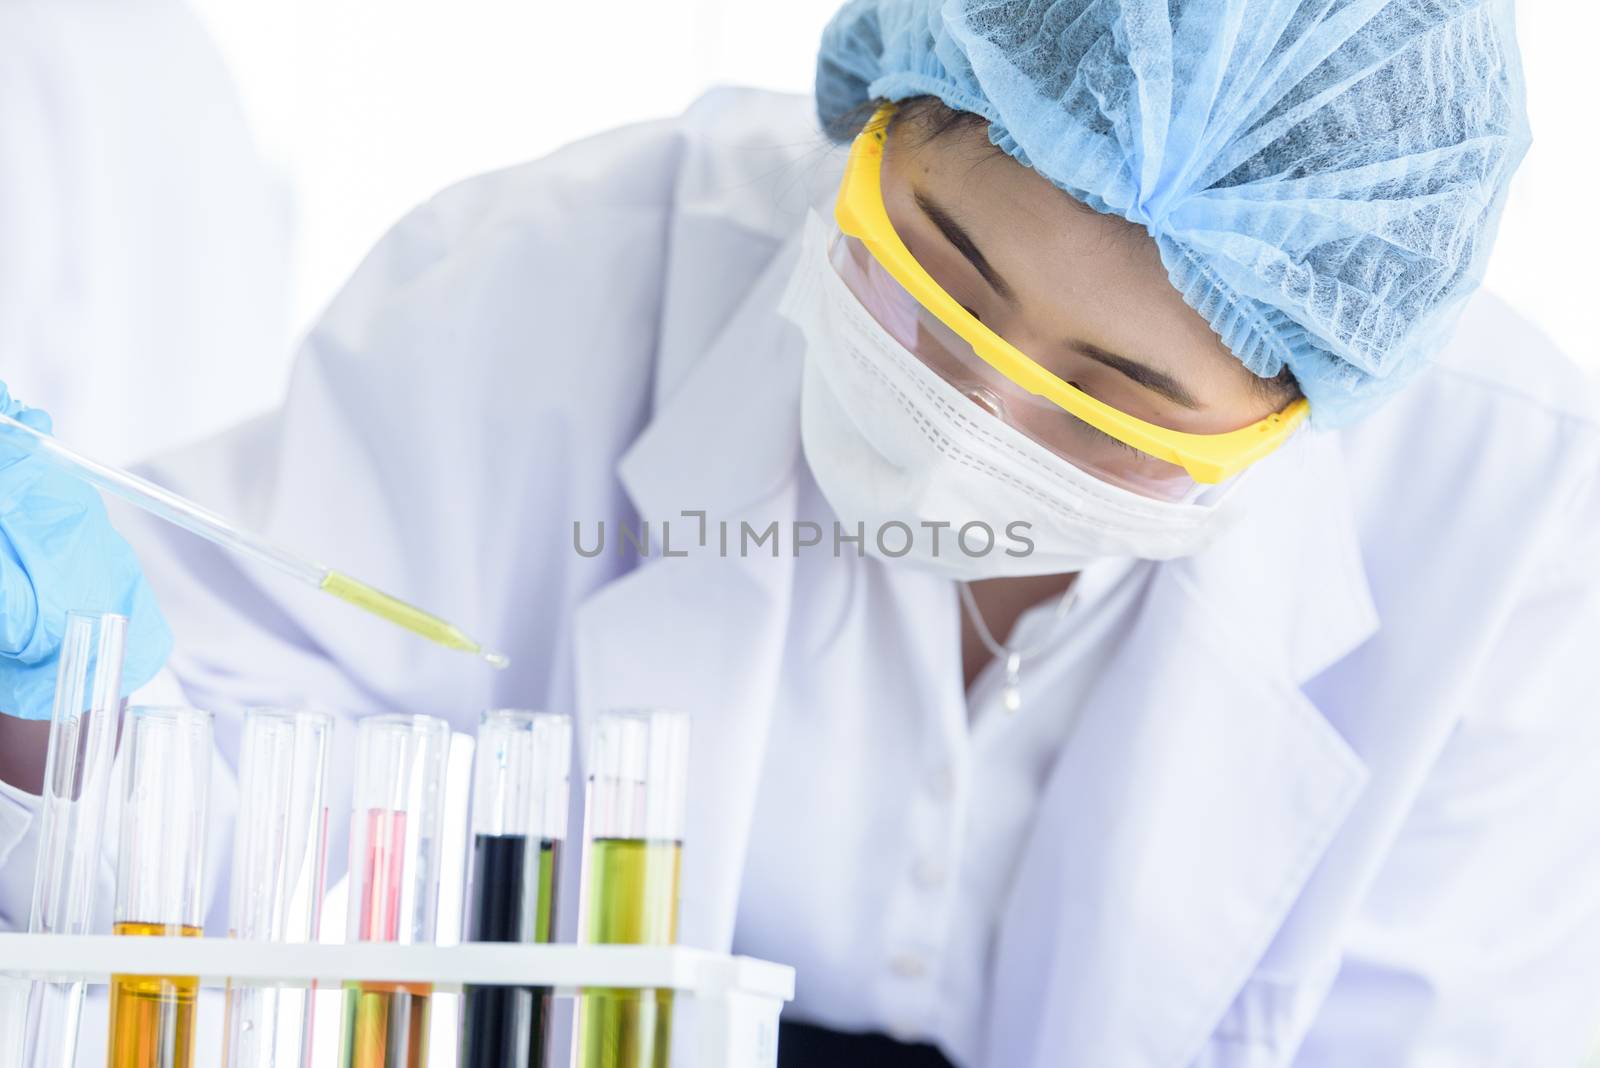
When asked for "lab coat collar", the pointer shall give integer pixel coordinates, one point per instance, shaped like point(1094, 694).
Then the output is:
point(1197, 793)
point(728, 433)
point(706, 632)
point(1194, 799)
point(1287, 581)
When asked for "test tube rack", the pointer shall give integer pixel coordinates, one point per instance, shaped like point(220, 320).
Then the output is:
point(736, 999)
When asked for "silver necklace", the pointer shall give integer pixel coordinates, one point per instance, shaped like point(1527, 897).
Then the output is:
point(1011, 689)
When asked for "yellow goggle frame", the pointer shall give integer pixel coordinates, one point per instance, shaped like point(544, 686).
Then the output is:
point(1208, 458)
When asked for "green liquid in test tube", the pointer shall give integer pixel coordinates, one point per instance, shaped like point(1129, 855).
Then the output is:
point(638, 773)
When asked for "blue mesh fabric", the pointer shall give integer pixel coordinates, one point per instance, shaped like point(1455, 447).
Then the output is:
point(1323, 177)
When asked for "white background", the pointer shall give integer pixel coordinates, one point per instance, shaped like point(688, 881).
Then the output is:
point(367, 107)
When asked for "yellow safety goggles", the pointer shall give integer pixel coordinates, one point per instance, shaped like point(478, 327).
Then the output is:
point(900, 294)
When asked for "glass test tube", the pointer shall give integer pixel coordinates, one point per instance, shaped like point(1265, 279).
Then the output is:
point(519, 819)
point(166, 779)
point(395, 834)
point(279, 860)
point(77, 784)
point(638, 774)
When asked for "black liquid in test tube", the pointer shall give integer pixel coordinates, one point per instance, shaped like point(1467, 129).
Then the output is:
point(507, 1025)
point(519, 817)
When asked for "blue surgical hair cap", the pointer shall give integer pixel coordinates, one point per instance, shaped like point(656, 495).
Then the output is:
point(1323, 177)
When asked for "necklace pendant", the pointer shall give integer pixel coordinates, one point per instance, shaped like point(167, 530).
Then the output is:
point(1011, 691)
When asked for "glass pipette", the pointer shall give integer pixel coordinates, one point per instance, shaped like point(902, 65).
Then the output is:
point(182, 512)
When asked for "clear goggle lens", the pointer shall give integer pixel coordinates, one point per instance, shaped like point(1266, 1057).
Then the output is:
point(1042, 421)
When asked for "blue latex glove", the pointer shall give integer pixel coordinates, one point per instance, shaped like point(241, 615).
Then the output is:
point(59, 553)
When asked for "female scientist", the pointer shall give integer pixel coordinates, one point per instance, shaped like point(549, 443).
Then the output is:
point(1098, 658)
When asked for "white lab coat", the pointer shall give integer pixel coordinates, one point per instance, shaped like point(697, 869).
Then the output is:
point(143, 242)
point(1333, 803)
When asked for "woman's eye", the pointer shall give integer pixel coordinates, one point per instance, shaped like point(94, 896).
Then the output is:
point(1100, 436)
point(972, 312)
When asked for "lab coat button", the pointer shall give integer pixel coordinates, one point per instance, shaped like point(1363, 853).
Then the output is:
point(908, 966)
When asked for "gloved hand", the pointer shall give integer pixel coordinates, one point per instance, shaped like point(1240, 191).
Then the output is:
point(59, 553)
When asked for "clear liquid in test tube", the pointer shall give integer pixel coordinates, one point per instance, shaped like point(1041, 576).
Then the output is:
point(77, 787)
point(638, 765)
point(396, 830)
point(165, 787)
point(279, 864)
point(520, 790)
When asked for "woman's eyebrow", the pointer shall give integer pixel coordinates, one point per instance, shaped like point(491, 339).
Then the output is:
point(1142, 373)
point(957, 235)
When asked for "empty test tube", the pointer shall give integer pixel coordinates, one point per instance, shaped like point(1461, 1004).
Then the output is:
point(77, 786)
point(519, 819)
point(279, 861)
point(165, 785)
point(395, 835)
point(638, 763)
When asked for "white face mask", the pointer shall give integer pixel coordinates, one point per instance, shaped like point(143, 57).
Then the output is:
point(892, 444)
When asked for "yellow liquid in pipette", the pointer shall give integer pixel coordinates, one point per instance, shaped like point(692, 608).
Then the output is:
point(406, 615)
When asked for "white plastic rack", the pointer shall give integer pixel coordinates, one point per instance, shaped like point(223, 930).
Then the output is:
point(736, 1000)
